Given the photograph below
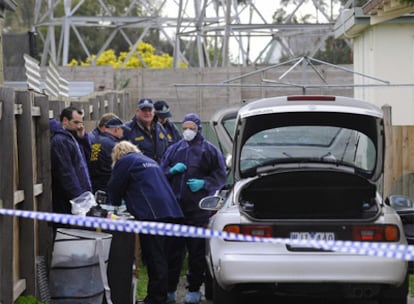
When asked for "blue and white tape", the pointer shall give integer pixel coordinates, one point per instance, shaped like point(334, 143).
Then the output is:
point(404, 252)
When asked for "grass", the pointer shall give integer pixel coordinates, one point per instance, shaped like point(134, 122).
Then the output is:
point(141, 291)
point(142, 282)
point(411, 286)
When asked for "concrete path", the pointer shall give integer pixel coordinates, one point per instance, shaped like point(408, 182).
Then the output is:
point(182, 290)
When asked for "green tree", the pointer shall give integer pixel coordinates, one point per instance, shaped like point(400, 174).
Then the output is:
point(22, 19)
point(321, 5)
point(336, 51)
point(280, 16)
point(94, 37)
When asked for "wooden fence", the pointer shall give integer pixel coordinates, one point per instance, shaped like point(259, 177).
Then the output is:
point(25, 178)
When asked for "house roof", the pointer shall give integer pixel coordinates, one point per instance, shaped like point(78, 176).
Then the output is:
point(383, 10)
point(352, 21)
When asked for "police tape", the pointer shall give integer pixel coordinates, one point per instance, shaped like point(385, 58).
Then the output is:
point(377, 249)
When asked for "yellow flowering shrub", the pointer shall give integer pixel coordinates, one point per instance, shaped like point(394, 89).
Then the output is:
point(73, 62)
point(107, 58)
point(146, 52)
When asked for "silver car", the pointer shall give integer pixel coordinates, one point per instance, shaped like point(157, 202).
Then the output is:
point(304, 168)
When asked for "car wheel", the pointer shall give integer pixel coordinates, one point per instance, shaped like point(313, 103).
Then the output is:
point(395, 295)
point(222, 296)
point(208, 286)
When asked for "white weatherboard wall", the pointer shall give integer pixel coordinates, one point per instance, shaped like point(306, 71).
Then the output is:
point(386, 51)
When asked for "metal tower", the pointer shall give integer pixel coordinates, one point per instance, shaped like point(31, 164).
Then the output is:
point(212, 29)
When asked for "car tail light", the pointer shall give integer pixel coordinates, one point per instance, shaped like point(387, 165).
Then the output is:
point(253, 230)
point(376, 233)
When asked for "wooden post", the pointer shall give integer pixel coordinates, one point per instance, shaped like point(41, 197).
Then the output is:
point(26, 146)
point(7, 171)
point(388, 157)
point(43, 184)
point(1, 52)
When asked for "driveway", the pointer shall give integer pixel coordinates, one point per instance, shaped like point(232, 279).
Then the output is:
point(251, 299)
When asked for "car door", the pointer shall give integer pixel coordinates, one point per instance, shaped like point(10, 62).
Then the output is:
point(223, 123)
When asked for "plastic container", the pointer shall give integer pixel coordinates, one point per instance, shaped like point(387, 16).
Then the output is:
point(78, 259)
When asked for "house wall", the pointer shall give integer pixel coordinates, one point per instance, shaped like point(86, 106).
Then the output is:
point(386, 51)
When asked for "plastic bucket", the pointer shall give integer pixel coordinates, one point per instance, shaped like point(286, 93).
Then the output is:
point(76, 274)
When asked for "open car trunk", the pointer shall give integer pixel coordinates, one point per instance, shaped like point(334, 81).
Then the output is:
point(310, 195)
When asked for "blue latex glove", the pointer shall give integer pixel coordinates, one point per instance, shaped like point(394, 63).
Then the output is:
point(195, 184)
point(178, 168)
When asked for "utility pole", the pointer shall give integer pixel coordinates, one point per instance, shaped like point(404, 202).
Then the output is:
point(4, 4)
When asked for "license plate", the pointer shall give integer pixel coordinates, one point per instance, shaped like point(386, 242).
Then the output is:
point(313, 236)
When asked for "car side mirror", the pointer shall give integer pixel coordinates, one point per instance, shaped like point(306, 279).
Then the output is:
point(213, 202)
point(399, 202)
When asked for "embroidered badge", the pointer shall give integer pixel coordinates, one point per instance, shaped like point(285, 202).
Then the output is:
point(96, 148)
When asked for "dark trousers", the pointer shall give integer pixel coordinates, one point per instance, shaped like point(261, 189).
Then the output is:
point(177, 249)
point(154, 253)
point(176, 255)
point(121, 258)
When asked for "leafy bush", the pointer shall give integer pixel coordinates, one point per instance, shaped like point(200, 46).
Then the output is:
point(28, 300)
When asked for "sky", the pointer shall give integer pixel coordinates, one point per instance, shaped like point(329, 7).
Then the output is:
point(266, 10)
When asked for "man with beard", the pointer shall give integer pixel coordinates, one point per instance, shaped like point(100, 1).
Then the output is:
point(70, 148)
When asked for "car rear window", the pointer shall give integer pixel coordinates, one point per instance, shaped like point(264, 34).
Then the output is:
point(308, 143)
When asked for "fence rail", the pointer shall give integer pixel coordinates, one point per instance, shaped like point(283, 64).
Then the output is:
point(25, 175)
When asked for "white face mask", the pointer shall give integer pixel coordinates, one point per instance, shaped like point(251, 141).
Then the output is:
point(189, 134)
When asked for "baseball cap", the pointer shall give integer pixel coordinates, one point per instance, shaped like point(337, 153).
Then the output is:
point(115, 122)
point(145, 103)
point(162, 109)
